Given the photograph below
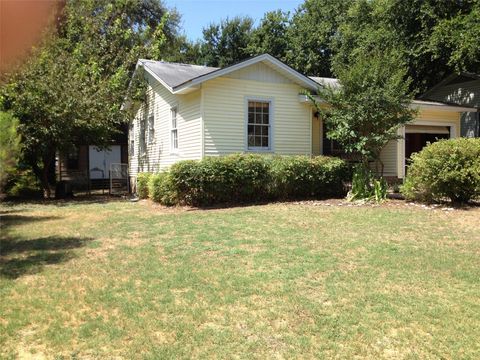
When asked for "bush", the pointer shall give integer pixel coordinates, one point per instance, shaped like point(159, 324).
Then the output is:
point(246, 178)
point(23, 184)
point(160, 189)
point(445, 169)
point(233, 178)
point(142, 184)
point(298, 177)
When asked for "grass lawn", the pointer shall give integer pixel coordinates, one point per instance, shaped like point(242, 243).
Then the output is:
point(130, 280)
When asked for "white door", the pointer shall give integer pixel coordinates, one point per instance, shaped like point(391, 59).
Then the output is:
point(100, 160)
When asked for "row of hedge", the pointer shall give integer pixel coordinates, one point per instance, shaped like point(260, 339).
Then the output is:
point(446, 169)
point(246, 178)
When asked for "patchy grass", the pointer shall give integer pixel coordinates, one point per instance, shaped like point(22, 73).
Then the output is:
point(131, 280)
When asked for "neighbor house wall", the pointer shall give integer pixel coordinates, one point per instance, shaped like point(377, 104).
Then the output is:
point(225, 107)
point(158, 154)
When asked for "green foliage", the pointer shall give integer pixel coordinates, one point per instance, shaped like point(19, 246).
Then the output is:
point(226, 43)
point(366, 187)
point(245, 178)
point(371, 104)
point(161, 189)
point(302, 177)
point(313, 28)
point(142, 184)
point(23, 184)
point(270, 36)
point(445, 169)
point(9, 146)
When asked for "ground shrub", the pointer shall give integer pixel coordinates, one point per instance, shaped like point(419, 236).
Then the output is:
point(160, 189)
point(142, 184)
point(23, 184)
point(233, 178)
point(297, 177)
point(250, 177)
point(445, 169)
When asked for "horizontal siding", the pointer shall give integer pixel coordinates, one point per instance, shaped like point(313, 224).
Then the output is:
point(158, 155)
point(466, 93)
point(224, 116)
point(388, 156)
point(259, 72)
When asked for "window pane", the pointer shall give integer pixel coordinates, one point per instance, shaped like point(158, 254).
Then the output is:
point(258, 118)
point(258, 141)
point(251, 141)
point(265, 141)
point(265, 118)
point(250, 130)
point(251, 117)
point(265, 131)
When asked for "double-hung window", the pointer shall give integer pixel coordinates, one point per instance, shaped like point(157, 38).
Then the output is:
point(259, 125)
point(142, 143)
point(151, 128)
point(173, 131)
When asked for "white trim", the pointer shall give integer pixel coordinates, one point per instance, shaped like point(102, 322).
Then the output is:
point(306, 81)
point(419, 104)
point(202, 122)
point(271, 120)
point(173, 151)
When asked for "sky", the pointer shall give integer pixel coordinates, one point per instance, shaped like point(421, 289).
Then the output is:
point(197, 14)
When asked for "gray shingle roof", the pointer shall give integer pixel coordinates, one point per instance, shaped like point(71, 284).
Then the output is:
point(174, 74)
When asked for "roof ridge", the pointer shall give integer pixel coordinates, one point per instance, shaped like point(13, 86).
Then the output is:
point(177, 63)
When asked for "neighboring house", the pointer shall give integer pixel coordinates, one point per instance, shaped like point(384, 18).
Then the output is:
point(87, 167)
point(254, 106)
point(461, 89)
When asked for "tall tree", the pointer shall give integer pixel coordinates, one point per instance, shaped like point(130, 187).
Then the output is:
point(370, 105)
point(9, 145)
point(310, 35)
point(271, 35)
point(72, 88)
point(226, 43)
point(431, 34)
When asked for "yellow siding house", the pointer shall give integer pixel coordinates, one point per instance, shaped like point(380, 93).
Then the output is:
point(254, 106)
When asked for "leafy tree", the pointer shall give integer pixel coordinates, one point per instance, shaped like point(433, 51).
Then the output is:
point(455, 40)
point(9, 145)
point(371, 104)
point(72, 88)
point(271, 35)
point(436, 37)
point(313, 28)
point(226, 43)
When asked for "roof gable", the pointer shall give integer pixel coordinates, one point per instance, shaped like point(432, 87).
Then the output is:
point(184, 78)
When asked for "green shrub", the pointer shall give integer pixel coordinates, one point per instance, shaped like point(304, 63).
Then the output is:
point(445, 169)
point(249, 177)
point(160, 189)
point(142, 184)
point(23, 184)
point(233, 178)
point(297, 177)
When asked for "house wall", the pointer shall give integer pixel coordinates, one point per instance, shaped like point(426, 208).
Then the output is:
point(225, 107)
point(393, 154)
point(158, 154)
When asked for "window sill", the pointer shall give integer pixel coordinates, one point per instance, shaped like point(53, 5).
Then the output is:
point(259, 150)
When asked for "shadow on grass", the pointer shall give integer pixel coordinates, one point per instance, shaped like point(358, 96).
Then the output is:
point(25, 257)
point(9, 219)
point(79, 199)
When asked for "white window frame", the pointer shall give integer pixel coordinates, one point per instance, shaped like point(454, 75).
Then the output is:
point(174, 130)
point(271, 122)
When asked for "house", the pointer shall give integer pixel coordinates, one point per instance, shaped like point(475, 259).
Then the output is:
point(254, 106)
point(461, 89)
point(87, 167)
